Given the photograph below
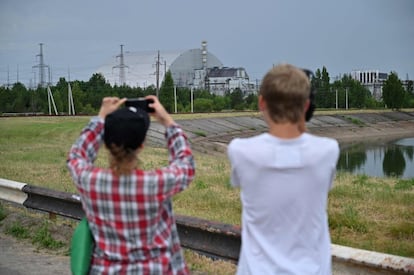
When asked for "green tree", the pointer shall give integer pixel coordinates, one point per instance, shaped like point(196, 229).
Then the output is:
point(166, 94)
point(325, 79)
point(21, 98)
point(409, 95)
point(317, 79)
point(219, 103)
point(236, 99)
point(183, 99)
point(60, 95)
point(150, 90)
point(410, 87)
point(251, 102)
point(78, 97)
point(203, 105)
point(324, 97)
point(39, 100)
point(96, 89)
point(357, 94)
point(393, 92)
point(6, 100)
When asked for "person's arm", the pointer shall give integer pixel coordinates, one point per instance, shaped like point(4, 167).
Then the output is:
point(231, 153)
point(85, 150)
point(181, 169)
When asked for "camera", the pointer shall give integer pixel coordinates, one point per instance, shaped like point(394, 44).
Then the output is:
point(141, 102)
point(312, 106)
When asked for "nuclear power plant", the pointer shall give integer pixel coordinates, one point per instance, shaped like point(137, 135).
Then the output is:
point(193, 69)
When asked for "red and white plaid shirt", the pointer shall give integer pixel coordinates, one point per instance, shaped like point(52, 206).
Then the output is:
point(131, 216)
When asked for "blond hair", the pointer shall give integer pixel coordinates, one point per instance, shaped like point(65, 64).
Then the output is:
point(285, 90)
point(121, 160)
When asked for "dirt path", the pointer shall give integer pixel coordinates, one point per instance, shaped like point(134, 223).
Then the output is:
point(20, 257)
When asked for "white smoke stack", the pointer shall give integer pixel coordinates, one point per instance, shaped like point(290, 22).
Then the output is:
point(204, 55)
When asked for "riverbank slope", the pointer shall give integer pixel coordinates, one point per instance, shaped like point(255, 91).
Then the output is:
point(211, 135)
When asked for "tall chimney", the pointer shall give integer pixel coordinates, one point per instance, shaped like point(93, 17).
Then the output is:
point(204, 55)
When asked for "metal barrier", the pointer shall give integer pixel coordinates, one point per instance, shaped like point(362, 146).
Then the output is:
point(214, 239)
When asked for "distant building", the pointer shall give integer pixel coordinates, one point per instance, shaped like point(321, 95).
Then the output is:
point(373, 80)
point(221, 80)
point(193, 69)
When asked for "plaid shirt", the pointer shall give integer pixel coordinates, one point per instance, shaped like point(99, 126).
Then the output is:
point(131, 216)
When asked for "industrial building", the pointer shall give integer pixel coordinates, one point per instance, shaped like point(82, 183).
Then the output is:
point(373, 80)
point(193, 69)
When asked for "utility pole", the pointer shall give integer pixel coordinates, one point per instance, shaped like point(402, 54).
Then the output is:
point(192, 99)
point(165, 68)
point(346, 98)
point(50, 101)
point(336, 98)
point(157, 72)
point(50, 76)
point(41, 66)
point(8, 77)
point(71, 106)
point(175, 98)
point(121, 67)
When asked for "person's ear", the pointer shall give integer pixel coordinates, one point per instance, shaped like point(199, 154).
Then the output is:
point(262, 104)
point(306, 106)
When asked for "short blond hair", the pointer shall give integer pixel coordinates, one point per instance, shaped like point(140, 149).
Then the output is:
point(285, 90)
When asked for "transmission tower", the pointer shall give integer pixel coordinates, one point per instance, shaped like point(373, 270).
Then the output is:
point(121, 67)
point(158, 73)
point(41, 66)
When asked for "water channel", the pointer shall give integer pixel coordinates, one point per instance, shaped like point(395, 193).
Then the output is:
point(386, 159)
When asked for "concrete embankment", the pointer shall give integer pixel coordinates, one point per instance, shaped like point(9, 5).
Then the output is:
point(211, 135)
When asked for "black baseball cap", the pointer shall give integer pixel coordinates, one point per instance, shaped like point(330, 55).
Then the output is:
point(126, 128)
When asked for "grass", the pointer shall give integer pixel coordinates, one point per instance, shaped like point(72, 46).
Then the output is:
point(373, 214)
point(200, 133)
point(18, 231)
point(355, 121)
point(2, 213)
point(22, 224)
point(44, 238)
point(364, 212)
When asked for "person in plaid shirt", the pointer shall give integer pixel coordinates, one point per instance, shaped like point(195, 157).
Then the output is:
point(129, 210)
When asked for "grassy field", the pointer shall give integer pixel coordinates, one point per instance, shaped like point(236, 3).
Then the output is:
point(364, 212)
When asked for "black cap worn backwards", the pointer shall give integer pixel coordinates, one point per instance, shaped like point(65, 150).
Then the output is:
point(126, 128)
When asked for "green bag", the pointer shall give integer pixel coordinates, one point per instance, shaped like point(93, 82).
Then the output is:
point(81, 248)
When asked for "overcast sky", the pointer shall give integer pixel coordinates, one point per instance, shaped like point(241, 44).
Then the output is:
point(80, 36)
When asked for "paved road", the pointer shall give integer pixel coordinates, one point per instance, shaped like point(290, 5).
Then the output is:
point(21, 258)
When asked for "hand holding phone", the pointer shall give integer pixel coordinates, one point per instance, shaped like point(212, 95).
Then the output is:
point(141, 102)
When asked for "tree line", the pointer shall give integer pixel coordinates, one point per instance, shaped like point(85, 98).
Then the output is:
point(348, 92)
point(87, 96)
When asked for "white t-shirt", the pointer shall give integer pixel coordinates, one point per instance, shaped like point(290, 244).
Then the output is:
point(284, 191)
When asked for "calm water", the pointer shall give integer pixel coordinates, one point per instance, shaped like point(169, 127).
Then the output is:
point(394, 158)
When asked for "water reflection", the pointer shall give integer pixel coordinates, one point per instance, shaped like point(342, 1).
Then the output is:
point(393, 159)
point(393, 164)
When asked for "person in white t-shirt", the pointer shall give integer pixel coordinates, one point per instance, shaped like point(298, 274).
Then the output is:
point(284, 176)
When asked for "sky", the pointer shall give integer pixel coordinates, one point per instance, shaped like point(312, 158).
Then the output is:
point(79, 36)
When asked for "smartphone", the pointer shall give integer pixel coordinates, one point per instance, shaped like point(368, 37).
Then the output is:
point(141, 102)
